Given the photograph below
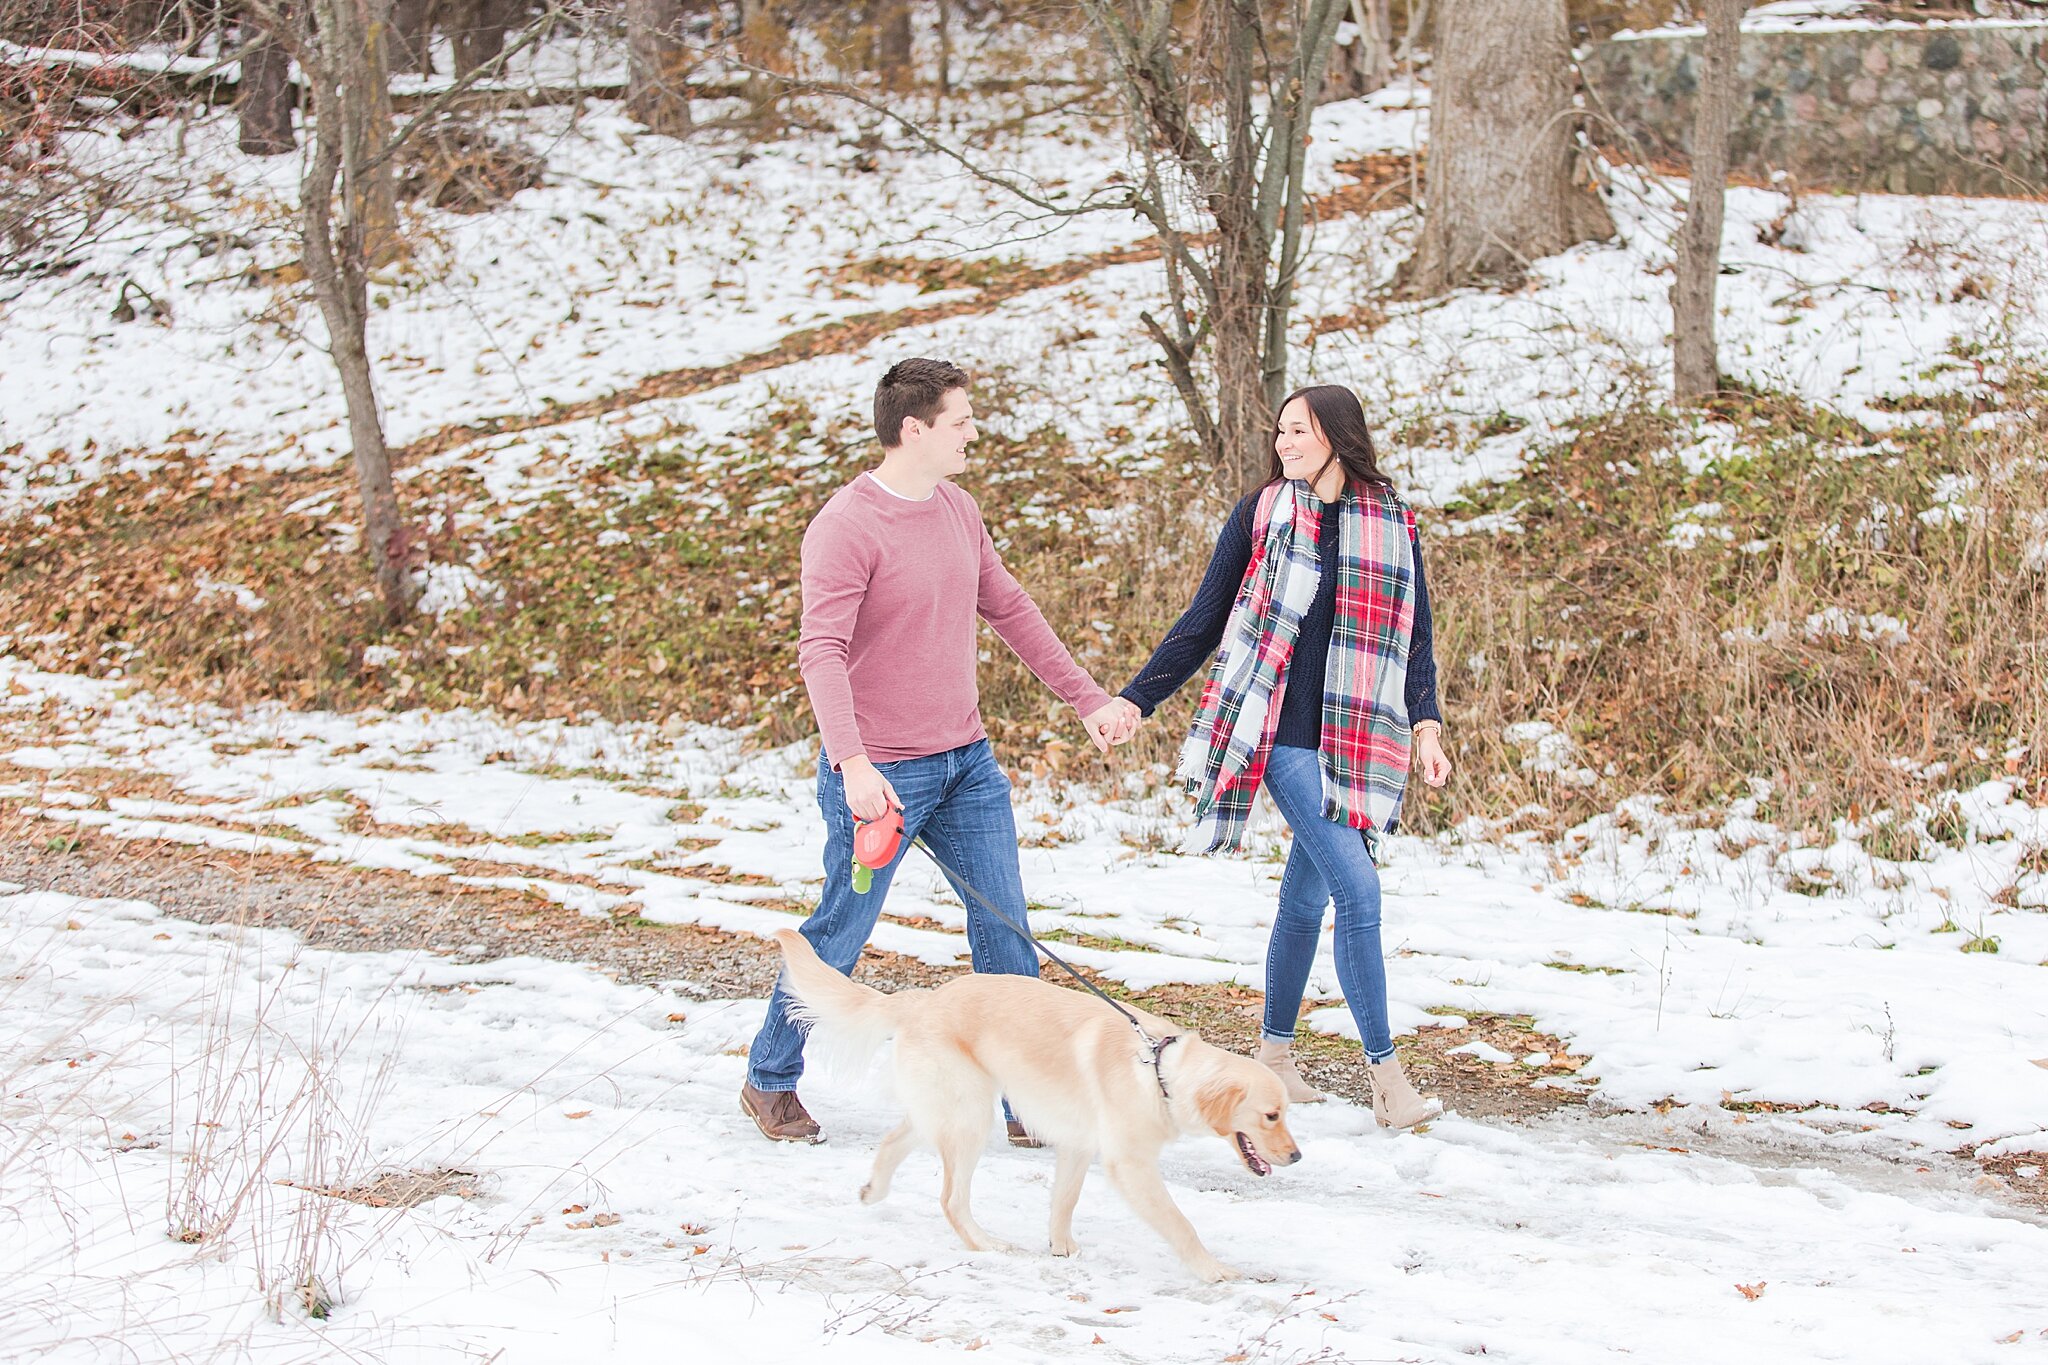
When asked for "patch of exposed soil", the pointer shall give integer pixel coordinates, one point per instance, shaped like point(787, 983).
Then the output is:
point(360, 910)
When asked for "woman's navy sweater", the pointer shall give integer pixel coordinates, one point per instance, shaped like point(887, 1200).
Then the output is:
point(1192, 642)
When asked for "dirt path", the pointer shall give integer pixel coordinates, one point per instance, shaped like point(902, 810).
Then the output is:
point(1380, 181)
point(829, 339)
point(357, 910)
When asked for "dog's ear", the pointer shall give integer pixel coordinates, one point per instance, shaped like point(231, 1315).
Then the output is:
point(1217, 1100)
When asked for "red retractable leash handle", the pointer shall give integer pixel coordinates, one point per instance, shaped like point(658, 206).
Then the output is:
point(875, 842)
point(875, 845)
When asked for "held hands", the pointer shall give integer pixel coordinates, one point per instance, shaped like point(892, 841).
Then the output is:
point(868, 794)
point(1112, 724)
point(1429, 758)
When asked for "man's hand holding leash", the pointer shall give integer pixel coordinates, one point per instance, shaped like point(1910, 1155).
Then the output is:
point(868, 793)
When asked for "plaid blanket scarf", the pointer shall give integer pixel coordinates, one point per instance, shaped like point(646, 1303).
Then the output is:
point(1365, 736)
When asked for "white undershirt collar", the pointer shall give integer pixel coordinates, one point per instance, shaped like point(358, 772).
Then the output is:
point(900, 497)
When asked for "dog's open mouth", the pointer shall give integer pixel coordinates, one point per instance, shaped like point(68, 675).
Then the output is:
point(1253, 1162)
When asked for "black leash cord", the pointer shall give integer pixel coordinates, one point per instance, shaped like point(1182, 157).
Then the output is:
point(1155, 1047)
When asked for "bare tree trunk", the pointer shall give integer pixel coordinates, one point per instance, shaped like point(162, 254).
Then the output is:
point(1501, 188)
point(266, 100)
point(412, 36)
point(367, 176)
point(1378, 23)
point(1695, 365)
point(1366, 63)
point(348, 224)
point(657, 66)
point(477, 29)
point(351, 112)
point(894, 40)
point(764, 46)
point(1412, 33)
point(1243, 260)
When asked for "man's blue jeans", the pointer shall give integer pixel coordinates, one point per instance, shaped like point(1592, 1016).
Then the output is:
point(1329, 862)
point(959, 802)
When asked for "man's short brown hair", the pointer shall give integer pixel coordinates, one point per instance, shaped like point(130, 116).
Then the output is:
point(913, 388)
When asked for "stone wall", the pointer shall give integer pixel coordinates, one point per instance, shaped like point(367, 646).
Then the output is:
point(1935, 109)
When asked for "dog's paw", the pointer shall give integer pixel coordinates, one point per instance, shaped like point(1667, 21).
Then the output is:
point(993, 1244)
point(1215, 1272)
point(873, 1194)
point(1065, 1247)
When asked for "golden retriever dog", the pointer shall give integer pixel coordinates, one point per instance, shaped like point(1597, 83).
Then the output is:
point(1074, 1070)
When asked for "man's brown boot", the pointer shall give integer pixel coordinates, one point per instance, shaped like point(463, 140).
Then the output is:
point(779, 1114)
point(1018, 1136)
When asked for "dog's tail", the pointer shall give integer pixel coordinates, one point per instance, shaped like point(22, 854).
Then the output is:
point(852, 1021)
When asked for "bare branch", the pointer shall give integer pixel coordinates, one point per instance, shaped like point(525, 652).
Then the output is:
point(463, 85)
point(1124, 200)
point(1152, 87)
point(1180, 365)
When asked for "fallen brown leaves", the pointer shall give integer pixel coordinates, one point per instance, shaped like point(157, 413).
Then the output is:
point(401, 1189)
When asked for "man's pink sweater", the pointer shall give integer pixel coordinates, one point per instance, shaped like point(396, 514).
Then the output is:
point(891, 589)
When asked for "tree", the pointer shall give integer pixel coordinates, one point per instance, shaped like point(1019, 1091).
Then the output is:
point(764, 50)
point(1695, 366)
point(265, 112)
point(348, 85)
point(412, 36)
point(657, 66)
point(1500, 188)
point(348, 225)
point(476, 29)
point(1365, 63)
point(1218, 96)
point(894, 39)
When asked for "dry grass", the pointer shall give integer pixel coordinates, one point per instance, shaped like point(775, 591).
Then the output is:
point(1687, 671)
point(1679, 669)
point(403, 1189)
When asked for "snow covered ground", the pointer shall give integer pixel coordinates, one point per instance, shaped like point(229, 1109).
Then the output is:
point(641, 255)
point(1831, 1233)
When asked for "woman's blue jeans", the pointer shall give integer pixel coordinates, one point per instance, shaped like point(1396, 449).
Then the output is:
point(959, 801)
point(1329, 862)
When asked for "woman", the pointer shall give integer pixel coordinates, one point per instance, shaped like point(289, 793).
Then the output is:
point(1316, 581)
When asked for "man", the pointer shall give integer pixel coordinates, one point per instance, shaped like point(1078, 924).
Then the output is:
point(896, 569)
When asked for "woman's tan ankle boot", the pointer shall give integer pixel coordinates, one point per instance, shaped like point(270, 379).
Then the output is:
point(1395, 1102)
point(1278, 1058)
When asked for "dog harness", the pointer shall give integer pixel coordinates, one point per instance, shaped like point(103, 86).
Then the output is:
point(1156, 1047)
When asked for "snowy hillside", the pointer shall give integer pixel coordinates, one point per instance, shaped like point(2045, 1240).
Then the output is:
point(1724, 1081)
point(642, 256)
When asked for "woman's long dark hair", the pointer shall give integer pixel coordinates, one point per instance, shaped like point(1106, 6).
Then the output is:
point(1340, 417)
